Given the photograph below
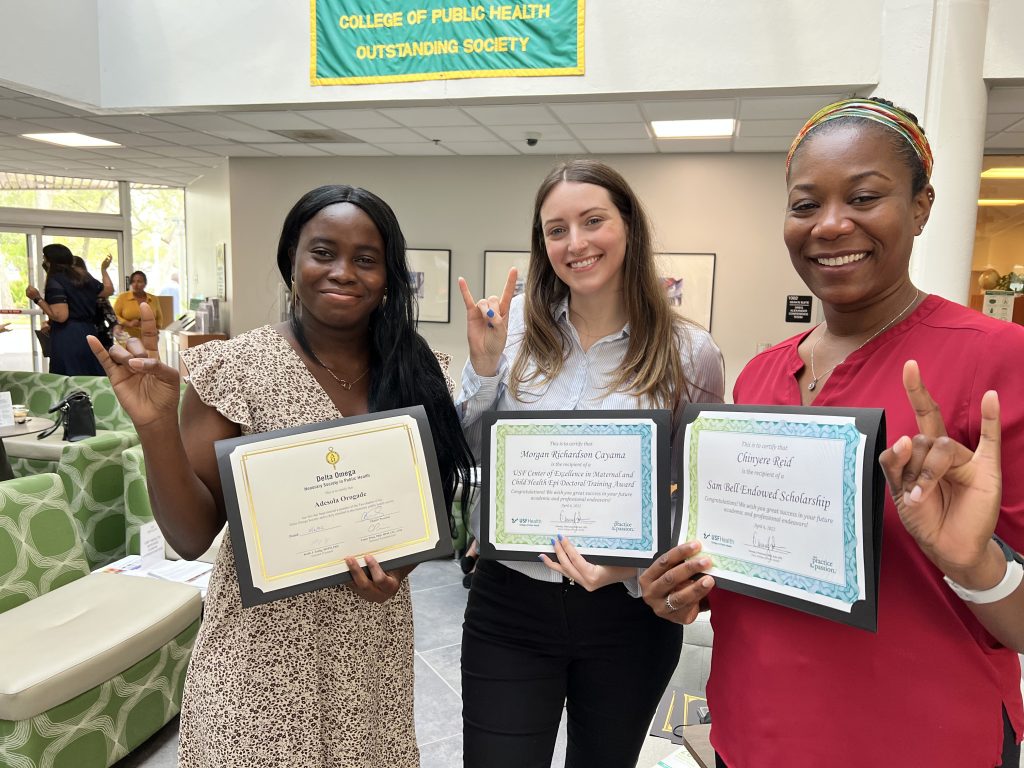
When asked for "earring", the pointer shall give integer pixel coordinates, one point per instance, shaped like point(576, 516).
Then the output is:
point(384, 300)
point(296, 306)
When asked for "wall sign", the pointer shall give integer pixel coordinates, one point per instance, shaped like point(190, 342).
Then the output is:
point(798, 309)
point(355, 42)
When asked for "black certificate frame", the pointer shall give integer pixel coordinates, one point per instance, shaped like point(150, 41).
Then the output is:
point(662, 420)
point(252, 595)
point(870, 422)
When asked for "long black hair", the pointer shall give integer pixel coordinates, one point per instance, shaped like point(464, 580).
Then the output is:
point(58, 260)
point(403, 369)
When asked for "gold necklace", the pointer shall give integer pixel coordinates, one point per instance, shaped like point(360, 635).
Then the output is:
point(346, 385)
point(815, 378)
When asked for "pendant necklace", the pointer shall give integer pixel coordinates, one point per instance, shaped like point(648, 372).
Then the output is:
point(815, 378)
point(346, 385)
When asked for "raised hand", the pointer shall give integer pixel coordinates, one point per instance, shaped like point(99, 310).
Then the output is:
point(106, 262)
point(147, 389)
point(673, 586)
point(947, 496)
point(487, 328)
point(573, 565)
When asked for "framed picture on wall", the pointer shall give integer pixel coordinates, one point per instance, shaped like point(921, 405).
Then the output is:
point(430, 275)
point(689, 280)
point(496, 267)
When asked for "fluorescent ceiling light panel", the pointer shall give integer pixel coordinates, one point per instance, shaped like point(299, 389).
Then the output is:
point(70, 139)
point(992, 202)
point(693, 129)
point(1003, 173)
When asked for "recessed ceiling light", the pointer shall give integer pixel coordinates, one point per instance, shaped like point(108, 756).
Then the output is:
point(1003, 173)
point(70, 139)
point(693, 129)
point(1001, 203)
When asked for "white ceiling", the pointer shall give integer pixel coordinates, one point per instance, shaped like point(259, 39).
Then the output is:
point(175, 148)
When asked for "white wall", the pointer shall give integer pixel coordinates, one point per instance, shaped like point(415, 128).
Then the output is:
point(208, 223)
point(1004, 51)
point(51, 47)
point(167, 50)
point(728, 204)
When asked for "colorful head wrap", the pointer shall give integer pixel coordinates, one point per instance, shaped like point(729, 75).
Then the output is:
point(891, 117)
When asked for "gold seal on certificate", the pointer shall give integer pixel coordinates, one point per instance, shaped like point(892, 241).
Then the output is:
point(598, 477)
point(299, 501)
point(787, 503)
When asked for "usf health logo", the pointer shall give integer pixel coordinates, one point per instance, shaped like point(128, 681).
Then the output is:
point(332, 457)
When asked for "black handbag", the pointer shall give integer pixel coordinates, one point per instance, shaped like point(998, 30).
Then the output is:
point(75, 415)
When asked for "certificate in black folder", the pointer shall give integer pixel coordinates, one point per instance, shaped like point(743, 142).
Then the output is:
point(787, 502)
point(601, 478)
point(301, 500)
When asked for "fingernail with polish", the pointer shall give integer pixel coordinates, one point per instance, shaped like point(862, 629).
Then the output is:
point(490, 325)
point(559, 537)
point(490, 313)
point(552, 542)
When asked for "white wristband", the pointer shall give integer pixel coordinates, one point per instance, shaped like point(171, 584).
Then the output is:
point(1010, 581)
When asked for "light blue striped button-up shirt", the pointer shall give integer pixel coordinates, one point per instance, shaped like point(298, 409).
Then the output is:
point(582, 384)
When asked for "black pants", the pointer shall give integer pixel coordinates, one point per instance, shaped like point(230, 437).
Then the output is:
point(529, 648)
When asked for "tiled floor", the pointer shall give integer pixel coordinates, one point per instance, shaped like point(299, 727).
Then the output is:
point(438, 600)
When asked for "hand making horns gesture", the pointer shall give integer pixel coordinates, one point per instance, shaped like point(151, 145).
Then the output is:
point(147, 389)
point(487, 328)
point(947, 496)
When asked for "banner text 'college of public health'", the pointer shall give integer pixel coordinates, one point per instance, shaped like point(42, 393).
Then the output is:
point(354, 41)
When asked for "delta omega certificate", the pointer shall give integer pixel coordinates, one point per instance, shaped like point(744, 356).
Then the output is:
point(299, 501)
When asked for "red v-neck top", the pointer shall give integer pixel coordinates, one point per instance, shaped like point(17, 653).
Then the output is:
point(789, 689)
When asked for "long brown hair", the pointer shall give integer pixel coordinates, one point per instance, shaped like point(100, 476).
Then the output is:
point(651, 366)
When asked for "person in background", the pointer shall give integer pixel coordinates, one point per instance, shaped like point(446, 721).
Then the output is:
point(126, 307)
point(939, 684)
point(324, 678)
point(594, 330)
point(173, 289)
point(69, 301)
point(105, 320)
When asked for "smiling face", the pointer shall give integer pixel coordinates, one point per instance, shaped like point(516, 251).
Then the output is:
point(339, 267)
point(852, 217)
point(585, 238)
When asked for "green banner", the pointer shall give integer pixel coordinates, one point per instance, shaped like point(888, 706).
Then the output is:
point(362, 41)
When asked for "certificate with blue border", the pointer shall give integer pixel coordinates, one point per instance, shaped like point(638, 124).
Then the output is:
point(787, 503)
point(600, 478)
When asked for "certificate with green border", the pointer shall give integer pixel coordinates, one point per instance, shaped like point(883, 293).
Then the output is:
point(301, 500)
point(601, 478)
point(787, 503)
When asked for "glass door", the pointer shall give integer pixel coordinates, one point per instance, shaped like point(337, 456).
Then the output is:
point(19, 349)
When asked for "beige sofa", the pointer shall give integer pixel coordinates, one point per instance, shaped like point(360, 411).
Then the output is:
point(93, 664)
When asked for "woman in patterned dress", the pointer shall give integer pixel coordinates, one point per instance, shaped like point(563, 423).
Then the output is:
point(324, 678)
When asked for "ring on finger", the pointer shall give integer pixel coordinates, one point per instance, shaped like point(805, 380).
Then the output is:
point(668, 604)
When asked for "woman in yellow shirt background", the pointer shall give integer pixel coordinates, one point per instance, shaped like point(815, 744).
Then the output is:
point(126, 307)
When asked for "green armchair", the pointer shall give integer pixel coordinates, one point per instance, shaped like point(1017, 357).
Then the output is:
point(38, 391)
point(93, 664)
point(93, 478)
